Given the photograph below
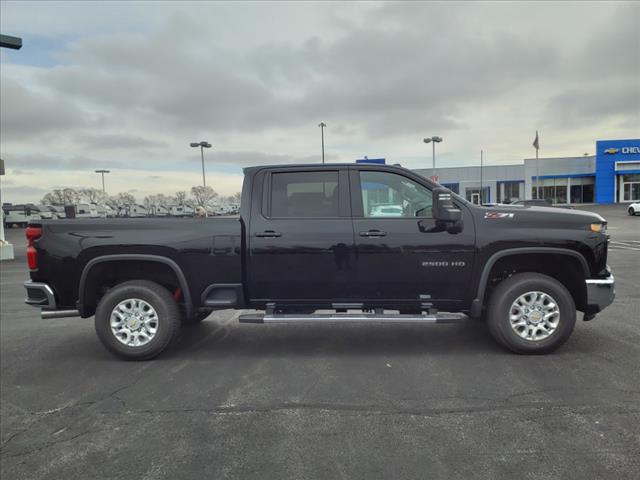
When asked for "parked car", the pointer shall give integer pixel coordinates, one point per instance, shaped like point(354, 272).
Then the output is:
point(634, 209)
point(58, 211)
point(181, 210)
point(19, 215)
point(304, 242)
point(387, 211)
point(87, 210)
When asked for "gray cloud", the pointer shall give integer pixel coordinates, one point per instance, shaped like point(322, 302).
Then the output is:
point(26, 113)
point(117, 141)
point(23, 190)
point(247, 159)
point(46, 162)
point(378, 75)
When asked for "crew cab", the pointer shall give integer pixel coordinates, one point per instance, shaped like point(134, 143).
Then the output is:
point(310, 245)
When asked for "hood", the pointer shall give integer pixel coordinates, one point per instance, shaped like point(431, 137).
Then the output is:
point(553, 217)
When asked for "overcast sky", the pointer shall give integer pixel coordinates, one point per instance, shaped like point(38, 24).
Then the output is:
point(127, 86)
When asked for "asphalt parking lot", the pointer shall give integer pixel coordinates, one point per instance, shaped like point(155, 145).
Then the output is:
point(352, 401)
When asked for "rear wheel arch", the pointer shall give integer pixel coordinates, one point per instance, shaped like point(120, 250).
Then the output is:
point(567, 266)
point(88, 292)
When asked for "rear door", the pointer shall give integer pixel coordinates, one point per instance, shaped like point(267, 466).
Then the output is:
point(301, 236)
point(401, 253)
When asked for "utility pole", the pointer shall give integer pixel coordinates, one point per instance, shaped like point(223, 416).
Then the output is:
point(103, 172)
point(322, 125)
point(202, 146)
point(433, 140)
point(536, 144)
point(481, 191)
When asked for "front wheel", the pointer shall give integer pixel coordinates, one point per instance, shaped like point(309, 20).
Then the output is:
point(531, 313)
point(136, 320)
point(631, 211)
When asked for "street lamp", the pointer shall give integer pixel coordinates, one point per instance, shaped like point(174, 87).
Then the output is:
point(322, 125)
point(202, 146)
point(103, 172)
point(433, 140)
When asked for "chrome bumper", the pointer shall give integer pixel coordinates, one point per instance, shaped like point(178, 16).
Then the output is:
point(600, 293)
point(41, 295)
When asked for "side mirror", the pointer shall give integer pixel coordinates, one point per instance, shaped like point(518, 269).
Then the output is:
point(444, 209)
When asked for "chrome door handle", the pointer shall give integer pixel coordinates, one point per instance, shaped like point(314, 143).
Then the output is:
point(373, 234)
point(268, 234)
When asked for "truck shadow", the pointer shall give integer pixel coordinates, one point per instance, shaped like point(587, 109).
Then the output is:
point(214, 340)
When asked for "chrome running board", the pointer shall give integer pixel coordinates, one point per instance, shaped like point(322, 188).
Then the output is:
point(351, 318)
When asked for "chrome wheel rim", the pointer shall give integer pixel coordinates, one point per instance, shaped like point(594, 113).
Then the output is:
point(134, 322)
point(534, 316)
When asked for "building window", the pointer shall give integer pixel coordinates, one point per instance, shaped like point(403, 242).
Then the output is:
point(473, 195)
point(557, 190)
point(582, 189)
point(511, 192)
point(631, 187)
point(454, 187)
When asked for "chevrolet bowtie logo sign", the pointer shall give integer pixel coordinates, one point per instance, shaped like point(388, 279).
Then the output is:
point(612, 151)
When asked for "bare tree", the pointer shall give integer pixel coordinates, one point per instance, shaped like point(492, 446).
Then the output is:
point(93, 195)
point(180, 197)
point(61, 196)
point(150, 202)
point(54, 197)
point(203, 195)
point(71, 196)
point(125, 198)
point(237, 196)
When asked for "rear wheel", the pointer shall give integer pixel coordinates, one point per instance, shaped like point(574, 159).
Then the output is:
point(531, 313)
point(136, 320)
point(631, 211)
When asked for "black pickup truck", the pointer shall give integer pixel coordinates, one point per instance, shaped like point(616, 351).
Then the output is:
point(328, 243)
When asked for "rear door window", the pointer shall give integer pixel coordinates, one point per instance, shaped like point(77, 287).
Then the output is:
point(305, 194)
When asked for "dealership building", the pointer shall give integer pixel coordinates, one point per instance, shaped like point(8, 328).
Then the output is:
point(612, 175)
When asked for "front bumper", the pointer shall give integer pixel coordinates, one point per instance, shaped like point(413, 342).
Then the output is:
point(600, 293)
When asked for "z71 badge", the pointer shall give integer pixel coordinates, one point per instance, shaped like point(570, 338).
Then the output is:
point(494, 215)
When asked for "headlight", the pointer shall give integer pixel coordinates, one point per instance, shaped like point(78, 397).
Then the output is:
point(599, 227)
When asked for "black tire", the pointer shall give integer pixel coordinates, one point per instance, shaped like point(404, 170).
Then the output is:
point(199, 318)
point(499, 311)
point(158, 297)
point(631, 211)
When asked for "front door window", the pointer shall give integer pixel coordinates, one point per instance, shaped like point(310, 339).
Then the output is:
point(391, 195)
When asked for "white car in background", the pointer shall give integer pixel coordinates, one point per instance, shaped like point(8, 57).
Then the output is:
point(634, 209)
point(387, 211)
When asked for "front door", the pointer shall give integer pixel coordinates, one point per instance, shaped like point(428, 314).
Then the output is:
point(475, 198)
point(301, 238)
point(401, 253)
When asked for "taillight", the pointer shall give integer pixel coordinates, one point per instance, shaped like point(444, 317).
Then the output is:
point(32, 233)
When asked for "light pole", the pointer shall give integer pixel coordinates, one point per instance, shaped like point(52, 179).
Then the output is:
point(481, 159)
point(202, 146)
point(103, 172)
point(433, 140)
point(322, 125)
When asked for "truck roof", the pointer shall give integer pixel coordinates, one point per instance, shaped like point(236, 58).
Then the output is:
point(251, 170)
